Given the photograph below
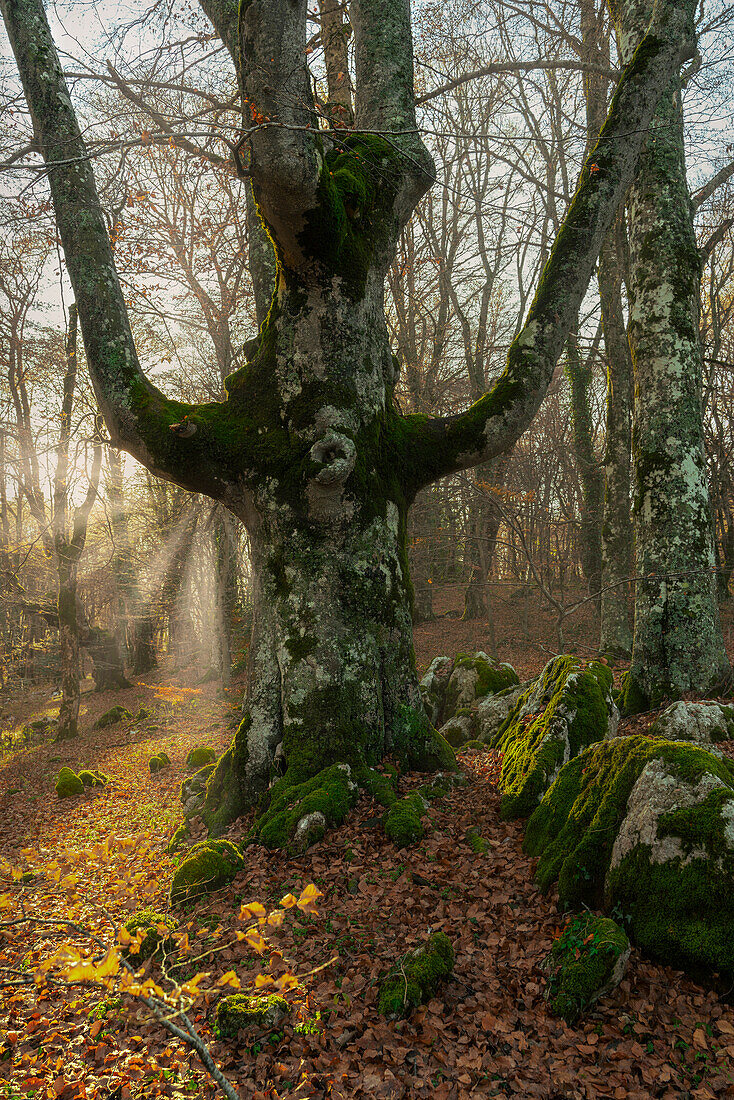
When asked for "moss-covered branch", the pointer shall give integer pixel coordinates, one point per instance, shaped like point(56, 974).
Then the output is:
point(384, 98)
point(436, 447)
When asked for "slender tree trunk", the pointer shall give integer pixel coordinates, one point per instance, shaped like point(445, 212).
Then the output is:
point(66, 570)
point(421, 523)
point(66, 555)
point(224, 547)
point(617, 540)
point(334, 39)
point(678, 644)
point(590, 475)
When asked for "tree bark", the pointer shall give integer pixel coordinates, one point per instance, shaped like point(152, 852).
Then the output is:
point(678, 644)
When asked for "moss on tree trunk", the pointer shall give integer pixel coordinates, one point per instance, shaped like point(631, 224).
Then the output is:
point(678, 644)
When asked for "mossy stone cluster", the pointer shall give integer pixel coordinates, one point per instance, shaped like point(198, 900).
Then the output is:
point(331, 794)
point(646, 827)
point(68, 784)
point(451, 690)
point(475, 677)
point(200, 756)
point(111, 716)
point(207, 867)
point(416, 978)
point(586, 961)
point(93, 778)
point(239, 1011)
point(559, 715)
point(156, 926)
point(158, 762)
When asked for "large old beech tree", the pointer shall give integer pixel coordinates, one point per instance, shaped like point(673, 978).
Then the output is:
point(308, 449)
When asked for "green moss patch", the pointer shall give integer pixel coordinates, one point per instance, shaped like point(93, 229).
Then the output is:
point(418, 745)
point(416, 978)
point(156, 926)
point(68, 784)
point(208, 866)
point(380, 787)
point(158, 762)
point(237, 1012)
point(558, 716)
point(476, 841)
point(331, 793)
point(402, 822)
point(200, 756)
point(114, 714)
point(585, 962)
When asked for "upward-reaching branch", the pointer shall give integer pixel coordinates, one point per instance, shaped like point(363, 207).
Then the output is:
point(385, 99)
point(436, 447)
point(140, 419)
point(278, 107)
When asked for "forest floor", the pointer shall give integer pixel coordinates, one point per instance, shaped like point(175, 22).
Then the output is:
point(487, 1033)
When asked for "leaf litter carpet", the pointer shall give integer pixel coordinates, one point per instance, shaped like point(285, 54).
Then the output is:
point(488, 1033)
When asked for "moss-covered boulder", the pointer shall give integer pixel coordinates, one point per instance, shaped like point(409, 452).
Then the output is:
point(93, 778)
point(402, 822)
point(459, 729)
point(416, 978)
point(587, 961)
point(475, 677)
point(703, 723)
point(207, 867)
point(646, 827)
point(299, 813)
point(433, 688)
point(566, 709)
point(158, 762)
point(68, 783)
point(492, 712)
point(193, 790)
point(237, 1012)
point(111, 716)
point(200, 756)
point(156, 927)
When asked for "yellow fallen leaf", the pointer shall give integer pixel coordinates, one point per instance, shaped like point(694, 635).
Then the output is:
point(254, 909)
point(110, 964)
point(308, 898)
point(255, 940)
point(230, 978)
point(287, 982)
